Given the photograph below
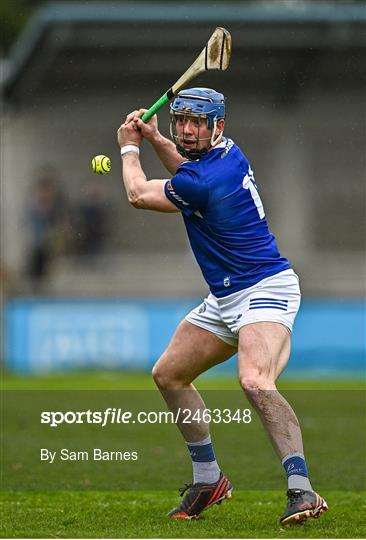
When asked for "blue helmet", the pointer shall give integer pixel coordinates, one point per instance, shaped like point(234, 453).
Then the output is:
point(200, 101)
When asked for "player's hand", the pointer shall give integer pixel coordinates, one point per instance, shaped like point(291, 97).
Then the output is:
point(150, 129)
point(128, 132)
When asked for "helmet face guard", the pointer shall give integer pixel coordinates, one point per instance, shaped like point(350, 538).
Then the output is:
point(200, 103)
point(195, 152)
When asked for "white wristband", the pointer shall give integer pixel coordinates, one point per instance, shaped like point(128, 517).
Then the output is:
point(130, 148)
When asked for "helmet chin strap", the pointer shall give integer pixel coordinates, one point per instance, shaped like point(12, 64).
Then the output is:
point(192, 154)
point(214, 141)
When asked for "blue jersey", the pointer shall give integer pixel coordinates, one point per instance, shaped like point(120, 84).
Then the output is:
point(225, 220)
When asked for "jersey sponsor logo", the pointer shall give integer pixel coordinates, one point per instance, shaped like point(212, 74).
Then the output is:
point(175, 195)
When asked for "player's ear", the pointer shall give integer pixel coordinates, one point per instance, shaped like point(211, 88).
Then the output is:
point(220, 125)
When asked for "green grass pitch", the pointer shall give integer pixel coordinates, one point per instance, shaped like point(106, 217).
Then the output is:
point(142, 513)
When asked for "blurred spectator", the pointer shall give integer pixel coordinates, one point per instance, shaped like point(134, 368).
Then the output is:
point(8, 284)
point(92, 220)
point(47, 226)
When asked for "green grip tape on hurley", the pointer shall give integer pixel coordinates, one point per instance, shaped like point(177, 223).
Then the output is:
point(157, 105)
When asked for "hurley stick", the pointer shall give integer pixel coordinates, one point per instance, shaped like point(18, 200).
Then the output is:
point(216, 55)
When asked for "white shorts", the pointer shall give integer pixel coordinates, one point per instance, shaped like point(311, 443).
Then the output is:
point(275, 299)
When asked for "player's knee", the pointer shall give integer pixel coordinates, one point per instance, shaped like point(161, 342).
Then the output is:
point(158, 375)
point(252, 386)
point(248, 382)
point(163, 377)
point(254, 382)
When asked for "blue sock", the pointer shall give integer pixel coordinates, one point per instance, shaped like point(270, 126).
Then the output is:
point(205, 467)
point(297, 472)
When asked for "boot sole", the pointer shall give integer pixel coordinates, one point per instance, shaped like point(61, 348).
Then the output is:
point(300, 517)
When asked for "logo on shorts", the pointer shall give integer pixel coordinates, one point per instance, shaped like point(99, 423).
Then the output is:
point(227, 281)
point(237, 318)
point(202, 308)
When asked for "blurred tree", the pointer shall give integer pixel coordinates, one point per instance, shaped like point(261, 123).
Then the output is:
point(13, 16)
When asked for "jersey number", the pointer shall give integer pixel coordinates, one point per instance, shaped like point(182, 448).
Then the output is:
point(249, 183)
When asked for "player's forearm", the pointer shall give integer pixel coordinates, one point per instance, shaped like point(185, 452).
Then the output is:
point(167, 153)
point(134, 178)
